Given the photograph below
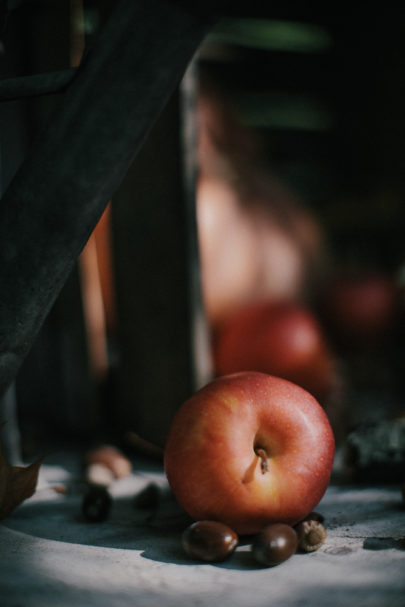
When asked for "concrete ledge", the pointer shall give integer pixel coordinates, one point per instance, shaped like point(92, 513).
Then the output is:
point(50, 556)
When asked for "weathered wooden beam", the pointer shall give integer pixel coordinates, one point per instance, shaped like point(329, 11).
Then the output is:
point(163, 341)
point(60, 191)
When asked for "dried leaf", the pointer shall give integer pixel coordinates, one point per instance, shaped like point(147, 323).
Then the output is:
point(17, 483)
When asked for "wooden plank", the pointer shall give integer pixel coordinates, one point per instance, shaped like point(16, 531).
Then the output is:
point(161, 334)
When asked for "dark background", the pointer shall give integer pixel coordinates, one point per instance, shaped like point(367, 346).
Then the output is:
point(332, 121)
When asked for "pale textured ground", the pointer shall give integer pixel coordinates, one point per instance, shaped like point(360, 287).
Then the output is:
point(50, 557)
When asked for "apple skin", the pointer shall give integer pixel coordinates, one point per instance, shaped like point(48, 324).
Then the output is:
point(214, 459)
point(283, 339)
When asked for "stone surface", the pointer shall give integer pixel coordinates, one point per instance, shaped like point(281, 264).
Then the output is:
point(50, 556)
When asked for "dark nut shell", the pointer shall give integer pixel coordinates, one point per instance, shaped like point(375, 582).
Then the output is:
point(96, 504)
point(314, 516)
point(148, 498)
point(274, 544)
point(311, 535)
point(209, 541)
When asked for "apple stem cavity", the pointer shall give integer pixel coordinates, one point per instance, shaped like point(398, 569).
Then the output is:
point(262, 454)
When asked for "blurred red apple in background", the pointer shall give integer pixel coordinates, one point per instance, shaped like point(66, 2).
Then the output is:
point(361, 308)
point(283, 339)
point(248, 450)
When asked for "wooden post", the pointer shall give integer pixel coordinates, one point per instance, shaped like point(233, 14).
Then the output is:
point(163, 342)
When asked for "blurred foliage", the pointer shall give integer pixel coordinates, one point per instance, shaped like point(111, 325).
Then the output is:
point(269, 34)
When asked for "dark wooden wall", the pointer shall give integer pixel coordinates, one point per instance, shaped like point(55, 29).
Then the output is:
point(351, 174)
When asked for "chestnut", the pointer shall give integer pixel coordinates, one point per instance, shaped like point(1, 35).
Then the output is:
point(209, 541)
point(96, 504)
point(274, 544)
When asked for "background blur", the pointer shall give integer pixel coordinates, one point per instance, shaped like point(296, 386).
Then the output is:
point(283, 150)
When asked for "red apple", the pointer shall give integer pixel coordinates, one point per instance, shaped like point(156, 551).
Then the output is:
point(362, 308)
point(283, 339)
point(249, 449)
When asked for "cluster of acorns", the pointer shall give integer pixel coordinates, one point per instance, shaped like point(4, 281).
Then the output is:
point(205, 540)
point(212, 541)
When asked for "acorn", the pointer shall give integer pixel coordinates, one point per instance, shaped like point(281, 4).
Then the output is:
point(311, 535)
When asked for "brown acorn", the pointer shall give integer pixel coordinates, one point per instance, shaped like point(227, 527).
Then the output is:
point(311, 535)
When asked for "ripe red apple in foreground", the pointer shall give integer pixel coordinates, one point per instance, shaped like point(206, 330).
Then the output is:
point(249, 449)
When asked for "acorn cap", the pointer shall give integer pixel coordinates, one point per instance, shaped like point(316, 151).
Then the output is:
point(311, 535)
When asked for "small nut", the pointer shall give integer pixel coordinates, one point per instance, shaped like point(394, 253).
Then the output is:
point(209, 541)
point(148, 498)
point(274, 544)
point(96, 504)
point(311, 535)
